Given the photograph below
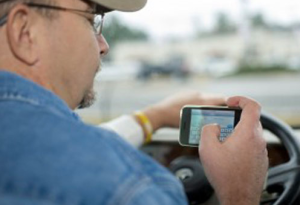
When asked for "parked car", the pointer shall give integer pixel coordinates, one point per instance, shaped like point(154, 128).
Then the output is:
point(174, 67)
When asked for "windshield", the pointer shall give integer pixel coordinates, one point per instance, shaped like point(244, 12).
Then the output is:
point(230, 47)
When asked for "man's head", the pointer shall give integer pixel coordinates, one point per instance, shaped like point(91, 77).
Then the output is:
point(53, 43)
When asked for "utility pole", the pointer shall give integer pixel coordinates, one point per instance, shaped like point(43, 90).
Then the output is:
point(246, 33)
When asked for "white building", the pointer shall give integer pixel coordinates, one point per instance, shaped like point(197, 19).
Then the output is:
point(216, 53)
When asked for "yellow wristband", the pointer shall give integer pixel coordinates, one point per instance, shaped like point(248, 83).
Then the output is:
point(147, 127)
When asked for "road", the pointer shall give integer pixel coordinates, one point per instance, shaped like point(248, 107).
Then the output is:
point(278, 94)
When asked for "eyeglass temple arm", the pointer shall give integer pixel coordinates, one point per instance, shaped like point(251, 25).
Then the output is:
point(3, 20)
point(58, 8)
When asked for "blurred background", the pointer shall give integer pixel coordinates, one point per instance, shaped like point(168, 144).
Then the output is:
point(231, 47)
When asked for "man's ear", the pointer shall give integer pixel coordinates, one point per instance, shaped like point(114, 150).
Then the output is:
point(20, 34)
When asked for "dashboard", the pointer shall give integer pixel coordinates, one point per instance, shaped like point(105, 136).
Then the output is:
point(165, 148)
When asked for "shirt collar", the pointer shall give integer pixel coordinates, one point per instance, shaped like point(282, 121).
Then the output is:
point(15, 87)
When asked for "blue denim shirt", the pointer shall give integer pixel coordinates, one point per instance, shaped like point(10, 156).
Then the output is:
point(48, 156)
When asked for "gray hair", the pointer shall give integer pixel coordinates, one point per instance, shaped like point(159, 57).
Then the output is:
point(6, 5)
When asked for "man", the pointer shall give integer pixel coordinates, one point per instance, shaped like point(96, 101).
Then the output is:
point(49, 56)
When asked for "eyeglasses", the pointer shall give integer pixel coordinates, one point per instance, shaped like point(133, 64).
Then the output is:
point(95, 18)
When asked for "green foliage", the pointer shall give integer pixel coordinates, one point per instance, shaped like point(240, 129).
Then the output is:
point(245, 69)
point(116, 31)
point(224, 24)
point(258, 21)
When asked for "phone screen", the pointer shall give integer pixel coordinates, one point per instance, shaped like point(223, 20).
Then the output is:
point(194, 119)
point(200, 118)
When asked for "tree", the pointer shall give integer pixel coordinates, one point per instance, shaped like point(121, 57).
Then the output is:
point(258, 21)
point(224, 24)
point(116, 31)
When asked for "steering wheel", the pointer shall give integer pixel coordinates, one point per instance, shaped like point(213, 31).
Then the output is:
point(283, 180)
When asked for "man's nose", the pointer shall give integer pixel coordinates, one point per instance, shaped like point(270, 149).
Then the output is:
point(103, 45)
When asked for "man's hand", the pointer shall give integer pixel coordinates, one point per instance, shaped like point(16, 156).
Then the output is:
point(167, 112)
point(237, 167)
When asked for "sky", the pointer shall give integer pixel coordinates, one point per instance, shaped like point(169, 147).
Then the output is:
point(180, 18)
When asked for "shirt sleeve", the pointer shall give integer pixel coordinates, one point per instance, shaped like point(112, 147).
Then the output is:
point(128, 128)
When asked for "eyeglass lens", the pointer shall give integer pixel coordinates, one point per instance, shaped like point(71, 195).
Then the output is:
point(98, 19)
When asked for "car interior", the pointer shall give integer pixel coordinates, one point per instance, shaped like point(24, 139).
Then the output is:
point(229, 47)
point(282, 185)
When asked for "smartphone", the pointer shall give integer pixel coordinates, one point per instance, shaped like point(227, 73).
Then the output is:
point(193, 118)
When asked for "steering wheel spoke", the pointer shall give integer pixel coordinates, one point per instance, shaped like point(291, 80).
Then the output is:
point(280, 174)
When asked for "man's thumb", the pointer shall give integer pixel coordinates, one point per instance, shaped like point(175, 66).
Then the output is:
point(209, 136)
